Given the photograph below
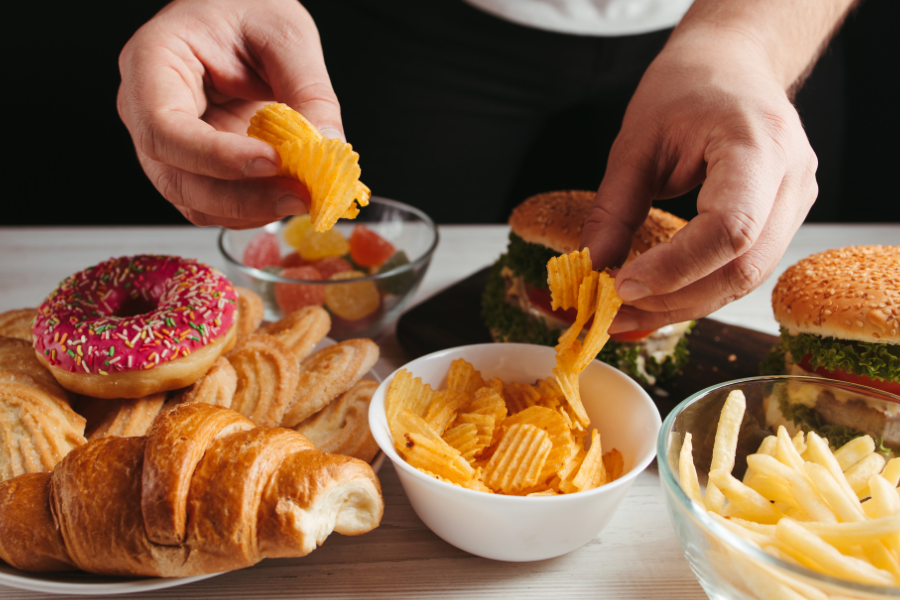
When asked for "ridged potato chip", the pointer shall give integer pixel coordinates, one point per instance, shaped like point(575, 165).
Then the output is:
point(327, 167)
point(564, 276)
point(560, 436)
point(406, 392)
point(443, 408)
point(463, 377)
point(519, 460)
point(495, 436)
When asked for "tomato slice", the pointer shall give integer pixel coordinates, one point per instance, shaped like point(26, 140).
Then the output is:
point(631, 336)
point(892, 387)
point(541, 299)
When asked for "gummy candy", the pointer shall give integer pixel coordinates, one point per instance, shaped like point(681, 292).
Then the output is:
point(331, 265)
point(400, 283)
point(367, 248)
point(296, 229)
point(318, 245)
point(294, 296)
point(266, 289)
point(352, 301)
point(262, 251)
point(292, 260)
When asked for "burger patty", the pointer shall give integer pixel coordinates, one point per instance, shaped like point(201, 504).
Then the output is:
point(858, 415)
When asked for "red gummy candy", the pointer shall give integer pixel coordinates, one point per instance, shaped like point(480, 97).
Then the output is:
point(294, 296)
point(331, 265)
point(367, 248)
point(293, 260)
point(262, 251)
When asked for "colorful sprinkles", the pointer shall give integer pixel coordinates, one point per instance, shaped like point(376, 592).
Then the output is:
point(188, 304)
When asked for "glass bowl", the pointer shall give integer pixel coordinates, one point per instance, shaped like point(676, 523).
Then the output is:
point(727, 565)
point(520, 528)
point(408, 229)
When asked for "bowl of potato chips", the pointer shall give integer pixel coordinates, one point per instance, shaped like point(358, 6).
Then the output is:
point(363, 271)
point(771, 499)
point(493, 459)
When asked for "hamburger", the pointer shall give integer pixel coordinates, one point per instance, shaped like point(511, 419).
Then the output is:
point(839, 315)
point(516, 303)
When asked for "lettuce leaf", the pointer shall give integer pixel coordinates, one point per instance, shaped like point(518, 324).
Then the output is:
point(877, 361)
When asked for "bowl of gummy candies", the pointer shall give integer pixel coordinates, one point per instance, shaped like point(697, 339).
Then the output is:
point(363, 271)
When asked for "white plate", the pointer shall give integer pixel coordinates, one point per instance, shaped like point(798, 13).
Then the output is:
point(87, 584)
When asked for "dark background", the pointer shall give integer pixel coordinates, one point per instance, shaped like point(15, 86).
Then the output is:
point(69, 160)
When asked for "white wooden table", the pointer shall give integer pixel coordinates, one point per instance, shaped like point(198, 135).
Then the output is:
point(636, 556)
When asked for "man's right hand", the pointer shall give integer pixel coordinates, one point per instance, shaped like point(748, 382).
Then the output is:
point(191, 79)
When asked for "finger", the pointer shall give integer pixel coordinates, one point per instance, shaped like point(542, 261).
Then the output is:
point(291, 56)
point(161, 100)
point(621, 205)
point(251, 200)
point(742, 275)
point(202, 220)
point(734, 204)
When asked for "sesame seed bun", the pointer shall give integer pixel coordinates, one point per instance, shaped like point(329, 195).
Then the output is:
point(849, 293)
point(555, 220)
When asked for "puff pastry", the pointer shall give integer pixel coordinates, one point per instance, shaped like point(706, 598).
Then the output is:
point(206, 491)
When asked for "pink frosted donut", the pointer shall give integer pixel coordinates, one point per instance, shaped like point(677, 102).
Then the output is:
point(135, 325)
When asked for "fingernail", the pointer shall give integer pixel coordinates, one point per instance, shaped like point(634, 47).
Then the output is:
point(260, 167)
point(632, 290)
point(290, 205)
point(622, 323)
point(333, 134)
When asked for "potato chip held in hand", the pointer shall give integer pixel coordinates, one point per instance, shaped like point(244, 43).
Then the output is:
point(327, 167)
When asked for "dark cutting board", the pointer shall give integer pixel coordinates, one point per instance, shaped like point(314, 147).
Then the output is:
point(719, 352)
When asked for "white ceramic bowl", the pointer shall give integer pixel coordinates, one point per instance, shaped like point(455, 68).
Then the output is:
point(514, 528)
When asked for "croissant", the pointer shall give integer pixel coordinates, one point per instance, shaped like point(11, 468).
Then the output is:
point(205, 491)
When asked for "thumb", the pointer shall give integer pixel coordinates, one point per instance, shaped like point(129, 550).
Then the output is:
point(620, 207)
point(292, 60)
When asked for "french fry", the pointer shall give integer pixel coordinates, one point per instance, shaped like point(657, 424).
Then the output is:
point(847, 535)
point(745, 499)
point(829, 559)
point(819, 453)
point(846, 507)
point(688, 473)
point(854, 451)
point(891, 471)
point(770, 488)
point(799, 485)
point(725, 446)
point(786, 452)
point(858, 475)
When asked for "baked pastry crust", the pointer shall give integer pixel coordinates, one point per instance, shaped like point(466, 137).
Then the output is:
point(246, 493)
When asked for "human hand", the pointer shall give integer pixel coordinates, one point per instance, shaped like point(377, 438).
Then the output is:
point(712, 113)
point(193, 76)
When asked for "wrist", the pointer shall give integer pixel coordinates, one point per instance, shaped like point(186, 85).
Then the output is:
point(781, 37)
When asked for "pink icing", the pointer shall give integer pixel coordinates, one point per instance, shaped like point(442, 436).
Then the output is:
point(133, 312)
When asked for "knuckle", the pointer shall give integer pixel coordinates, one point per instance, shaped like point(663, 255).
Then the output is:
point(169, 182)
point(743, 277)
point(740, 231)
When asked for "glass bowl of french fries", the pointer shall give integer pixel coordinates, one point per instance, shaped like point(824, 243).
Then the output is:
point(493, 460)
point(363, 271)
point(775, 491)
